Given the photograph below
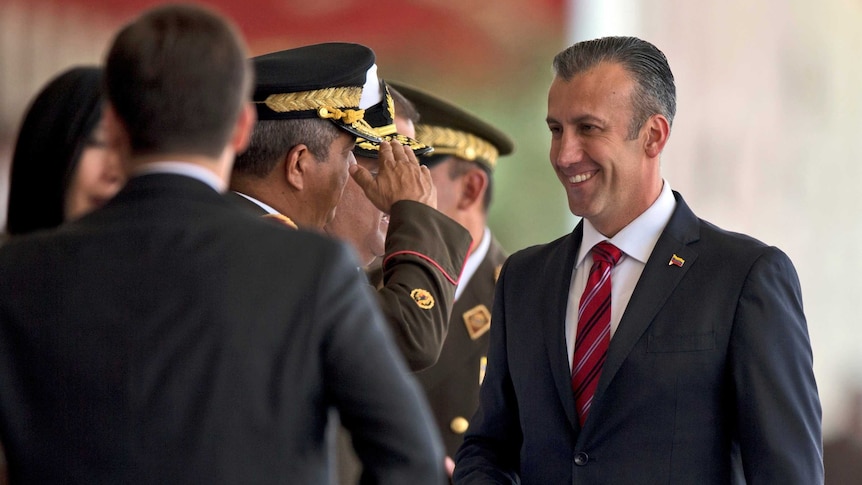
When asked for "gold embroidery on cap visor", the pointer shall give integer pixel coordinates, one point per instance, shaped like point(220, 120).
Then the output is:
point(447, 141)
point(388, 132)
point(423, 298)
point(326, 102)
point(369, 146)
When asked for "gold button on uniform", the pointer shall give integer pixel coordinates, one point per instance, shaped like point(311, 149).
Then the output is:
point(459, 425)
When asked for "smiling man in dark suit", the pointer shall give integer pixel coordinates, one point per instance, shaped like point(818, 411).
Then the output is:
point(648, 346)
point(170, 337)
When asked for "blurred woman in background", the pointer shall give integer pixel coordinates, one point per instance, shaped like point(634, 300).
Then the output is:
point(62, 167)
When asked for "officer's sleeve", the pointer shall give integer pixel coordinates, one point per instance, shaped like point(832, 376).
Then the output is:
point(425, 253)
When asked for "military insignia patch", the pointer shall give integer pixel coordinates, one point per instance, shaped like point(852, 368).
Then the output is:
point(477, 320)
point(423, 298)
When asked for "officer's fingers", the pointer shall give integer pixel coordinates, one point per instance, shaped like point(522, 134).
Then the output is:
point(426, 172)
point(397, 151)
point(385, 155)
point(362, 176)
point(411, 157)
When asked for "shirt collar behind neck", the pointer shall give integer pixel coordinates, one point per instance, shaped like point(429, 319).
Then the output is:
point(183, 168)
point(262, 205)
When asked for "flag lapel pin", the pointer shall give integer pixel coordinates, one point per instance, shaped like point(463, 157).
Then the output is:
point(676, 261)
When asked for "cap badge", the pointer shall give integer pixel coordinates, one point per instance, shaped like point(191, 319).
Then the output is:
point(423, 298)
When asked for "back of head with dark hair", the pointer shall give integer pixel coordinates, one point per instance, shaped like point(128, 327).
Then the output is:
point(655, 91)
point(52, 137)
point(271, 140)
point(177, 77)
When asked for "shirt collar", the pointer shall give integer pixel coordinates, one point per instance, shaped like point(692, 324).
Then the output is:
point(473, 261)
point(262, 205)
point(183, 168)
point(638, 238)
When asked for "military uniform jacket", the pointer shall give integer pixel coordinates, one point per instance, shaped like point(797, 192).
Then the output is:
point(169, 337)
point(452, 384)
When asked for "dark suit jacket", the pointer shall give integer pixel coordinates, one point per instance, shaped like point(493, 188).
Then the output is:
point(171, 338)
point(708, 378)
point(452, 384)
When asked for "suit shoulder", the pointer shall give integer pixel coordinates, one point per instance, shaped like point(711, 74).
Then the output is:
point(730, 239)
point(742, 247)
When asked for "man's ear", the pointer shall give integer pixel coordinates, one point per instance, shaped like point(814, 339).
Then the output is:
point(296, 165)
point(241, 136)
point(657, 132)
point(474, 183)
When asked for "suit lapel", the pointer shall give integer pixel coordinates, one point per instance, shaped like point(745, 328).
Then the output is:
point(657, 282)
point(557, 276)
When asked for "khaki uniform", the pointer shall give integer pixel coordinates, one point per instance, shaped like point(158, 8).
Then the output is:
point(452, 384)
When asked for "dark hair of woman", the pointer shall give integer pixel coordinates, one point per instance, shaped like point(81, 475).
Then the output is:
point(56, 129)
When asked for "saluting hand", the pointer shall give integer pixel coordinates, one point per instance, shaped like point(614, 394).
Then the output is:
point(400, 177)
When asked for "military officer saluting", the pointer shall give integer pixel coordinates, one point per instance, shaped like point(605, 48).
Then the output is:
point(312, 103)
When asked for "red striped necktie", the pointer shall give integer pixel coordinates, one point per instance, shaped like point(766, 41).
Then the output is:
point(594, 327)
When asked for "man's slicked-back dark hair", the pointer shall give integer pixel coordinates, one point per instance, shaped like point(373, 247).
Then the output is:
point(178, 77)
point(655, 91)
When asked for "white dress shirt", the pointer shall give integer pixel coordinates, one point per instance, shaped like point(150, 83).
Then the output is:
point(262, 205)
point(183, 168)
point(636, 241)
point(473, 262)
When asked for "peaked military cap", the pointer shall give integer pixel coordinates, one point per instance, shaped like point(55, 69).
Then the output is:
point(381, 117)
point(453, 131)
point(323, 81)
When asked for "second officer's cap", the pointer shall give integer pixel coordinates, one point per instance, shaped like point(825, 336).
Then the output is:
point(453, 131)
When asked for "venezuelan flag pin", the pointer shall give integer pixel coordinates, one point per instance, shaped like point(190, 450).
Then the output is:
point(676, 261)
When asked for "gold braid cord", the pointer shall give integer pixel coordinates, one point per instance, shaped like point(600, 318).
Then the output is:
point(348, 116)
point(447, 141)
